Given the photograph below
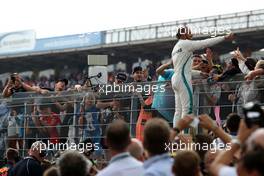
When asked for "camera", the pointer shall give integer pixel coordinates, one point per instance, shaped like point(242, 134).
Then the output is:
point(13, 77)
point(254, 115)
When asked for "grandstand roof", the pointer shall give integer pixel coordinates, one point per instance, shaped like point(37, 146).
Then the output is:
point(153, 41)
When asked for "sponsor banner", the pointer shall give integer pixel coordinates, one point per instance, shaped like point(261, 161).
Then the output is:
point(14, 42)
point(25, 42)
point(71, 41)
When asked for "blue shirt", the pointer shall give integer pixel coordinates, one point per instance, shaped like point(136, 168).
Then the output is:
point(159, 165)
point(123, 164)
point(164, 100)
point(91, 116)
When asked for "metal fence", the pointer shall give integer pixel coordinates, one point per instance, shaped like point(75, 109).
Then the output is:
point(82, 116)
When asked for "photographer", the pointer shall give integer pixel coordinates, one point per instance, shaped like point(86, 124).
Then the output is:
point(247, 140)
point(16, 84)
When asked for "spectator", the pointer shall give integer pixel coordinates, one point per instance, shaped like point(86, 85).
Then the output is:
point(12, 136)
point(50, 121)
point(31, 165)
point(111, 113)
point(12, 157)
point(136, 100)
point(202, 140)
point(186, 163)
point(232, 124)
point(138, 74)
point(72, 163)
point(232, 68)
point(207, 94)
point(89, 121)
point(121, 163)
point(247, 91)
point(207, 123)
point(251, 164)
point(259, 70)
point(4, 115)
point(201, 90)
point(255, 140)
point(212, 90)
point(60, 85)
point(136, 149)
point(245, 64)
point(214, 74)
point(221, 167)
point(164, 99)
point(209, 159)
point(63, 106)
point(52, 171)
point(156, 135)
point(199, 71)
point(120, 78)
point(34, 128)
point(197, 60)
point(15, 84)
point(46, 164)
point(31, 131)
point(151, 71)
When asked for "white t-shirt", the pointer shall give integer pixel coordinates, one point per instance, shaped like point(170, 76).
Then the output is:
point(227, 171)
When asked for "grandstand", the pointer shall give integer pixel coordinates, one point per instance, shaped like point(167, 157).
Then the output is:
point(153, 42)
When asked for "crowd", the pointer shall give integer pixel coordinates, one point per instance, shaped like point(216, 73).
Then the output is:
point(131, 133)
point(241, 153)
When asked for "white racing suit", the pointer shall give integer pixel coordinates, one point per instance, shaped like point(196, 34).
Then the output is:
point(181, 81)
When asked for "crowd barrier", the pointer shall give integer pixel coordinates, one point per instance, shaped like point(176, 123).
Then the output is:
point(77, 116)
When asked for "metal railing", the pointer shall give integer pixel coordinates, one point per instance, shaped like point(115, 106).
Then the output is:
point(26, 117)
point(236, 22)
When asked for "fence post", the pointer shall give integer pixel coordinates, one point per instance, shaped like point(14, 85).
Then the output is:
point(75, 124)
point(131, 114)
point(24, 129)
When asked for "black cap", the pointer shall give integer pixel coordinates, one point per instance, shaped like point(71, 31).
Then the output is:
point(121, 76)
point(250, 63)
point(253, 114)
point(138, 68)
point(63, 80)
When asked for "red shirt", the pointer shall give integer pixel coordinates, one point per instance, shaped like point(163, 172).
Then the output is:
point(53, 121)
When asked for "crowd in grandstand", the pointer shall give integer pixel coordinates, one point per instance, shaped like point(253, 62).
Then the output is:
point(131, 133)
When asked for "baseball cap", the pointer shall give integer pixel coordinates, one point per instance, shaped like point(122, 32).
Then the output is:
point(121, 76)
point(138, 68)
